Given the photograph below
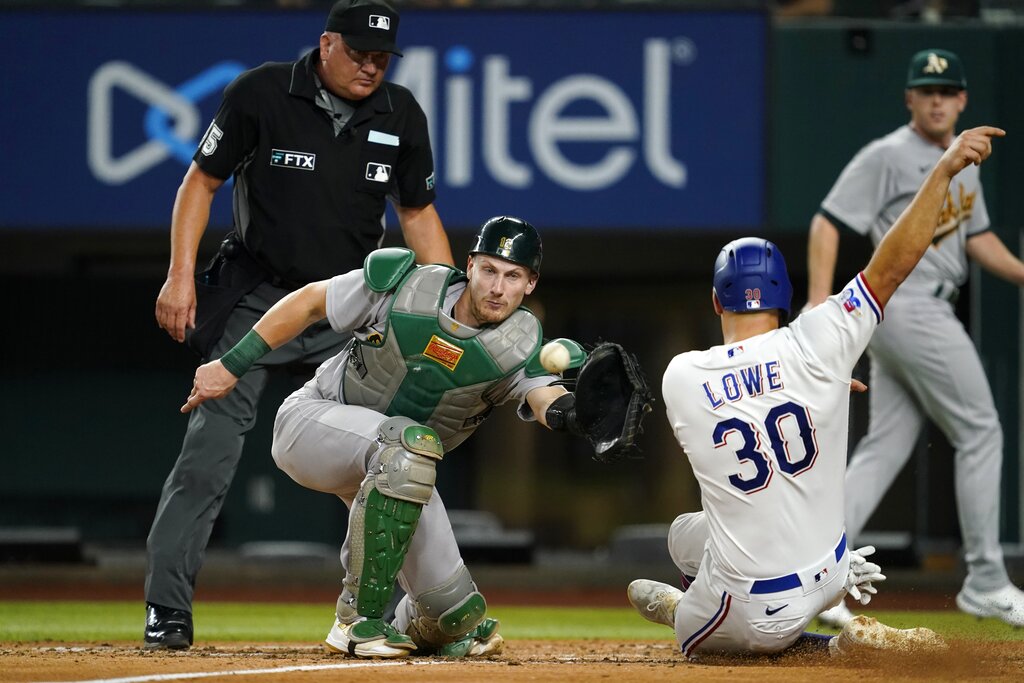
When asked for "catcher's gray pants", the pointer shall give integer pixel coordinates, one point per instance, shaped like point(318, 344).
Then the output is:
point(923, 364)
point(329, 446)
point(194, 491)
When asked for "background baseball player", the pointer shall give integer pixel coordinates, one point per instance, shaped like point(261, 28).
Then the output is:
point(763, 421)
point(923, 364)
point(434, 351)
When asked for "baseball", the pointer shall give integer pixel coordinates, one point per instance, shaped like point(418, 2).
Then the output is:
point(554, 357)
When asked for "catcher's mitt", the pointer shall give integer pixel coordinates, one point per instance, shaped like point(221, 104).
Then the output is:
point(612, 399)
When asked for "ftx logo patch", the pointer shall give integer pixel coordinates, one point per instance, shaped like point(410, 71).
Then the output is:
point(289, 159)
point(378, 173)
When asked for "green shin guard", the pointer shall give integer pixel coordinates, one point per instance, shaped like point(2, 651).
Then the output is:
point(389, 526)
point(393, 499)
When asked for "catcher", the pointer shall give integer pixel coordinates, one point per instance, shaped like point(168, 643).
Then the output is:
point(433, 351)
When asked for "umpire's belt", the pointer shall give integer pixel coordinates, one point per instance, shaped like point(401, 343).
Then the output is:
point(790, 581)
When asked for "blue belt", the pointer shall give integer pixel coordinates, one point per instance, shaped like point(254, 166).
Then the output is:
point(789, 581)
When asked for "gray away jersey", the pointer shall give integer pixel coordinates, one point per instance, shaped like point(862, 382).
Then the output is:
point(881, 181)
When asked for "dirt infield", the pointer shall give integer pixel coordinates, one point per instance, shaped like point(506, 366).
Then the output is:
point(564, 661)
point(527, 660)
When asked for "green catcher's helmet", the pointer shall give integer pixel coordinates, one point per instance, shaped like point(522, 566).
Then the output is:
point(512, 239)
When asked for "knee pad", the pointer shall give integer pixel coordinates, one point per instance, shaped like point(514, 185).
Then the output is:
point(409, 455)
point(448, 612)
point(386, 511)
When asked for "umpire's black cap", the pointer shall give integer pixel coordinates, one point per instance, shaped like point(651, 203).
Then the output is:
point(936, 67)
point(365, 25)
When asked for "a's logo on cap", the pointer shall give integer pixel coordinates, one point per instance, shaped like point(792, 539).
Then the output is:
point(505, 245)
point(380, 21)
point(936, 64)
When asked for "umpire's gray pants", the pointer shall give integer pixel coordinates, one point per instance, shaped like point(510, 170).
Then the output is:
point(195, 489)
point(923, 364)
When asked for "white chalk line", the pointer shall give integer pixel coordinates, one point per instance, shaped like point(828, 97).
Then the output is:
point(251, 672)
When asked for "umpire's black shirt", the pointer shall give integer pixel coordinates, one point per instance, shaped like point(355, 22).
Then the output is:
point(309, 204)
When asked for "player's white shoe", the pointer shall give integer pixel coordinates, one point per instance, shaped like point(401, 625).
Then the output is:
point(836, 617)
point(866, 633)
point(368, 638)
point(655, 601)
point(1006, 604)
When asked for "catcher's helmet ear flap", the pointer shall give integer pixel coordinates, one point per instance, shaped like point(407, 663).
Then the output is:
point(512, 239)
point(750, 275)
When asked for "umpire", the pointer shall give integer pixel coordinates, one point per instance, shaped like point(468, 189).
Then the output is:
point(315, 146)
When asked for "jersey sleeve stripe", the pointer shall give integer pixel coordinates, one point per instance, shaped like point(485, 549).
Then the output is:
point(869, 296)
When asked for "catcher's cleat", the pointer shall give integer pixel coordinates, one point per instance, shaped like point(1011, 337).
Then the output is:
point(167, 628)
point(482, 641)
point(836, 617)
point(655, 601)
point(866, 633)
point(369, 638)
point(1006, 604)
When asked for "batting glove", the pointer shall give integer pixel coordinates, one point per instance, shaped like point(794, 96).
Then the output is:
point(862, 574)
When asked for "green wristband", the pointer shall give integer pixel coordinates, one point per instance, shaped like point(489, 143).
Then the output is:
point(243, 354)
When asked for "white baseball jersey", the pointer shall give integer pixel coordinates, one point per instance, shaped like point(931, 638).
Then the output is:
point(881, 181)
point(764, 424)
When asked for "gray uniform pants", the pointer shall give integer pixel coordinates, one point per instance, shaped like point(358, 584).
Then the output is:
point(194, 491)
point(328, 446)
point(923, 364)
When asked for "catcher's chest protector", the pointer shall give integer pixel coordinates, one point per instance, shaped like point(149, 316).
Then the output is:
point(429, 368)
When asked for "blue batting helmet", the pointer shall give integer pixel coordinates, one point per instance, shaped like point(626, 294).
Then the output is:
point(750, 275)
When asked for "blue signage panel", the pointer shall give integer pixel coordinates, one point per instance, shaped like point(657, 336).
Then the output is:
point(571, 119)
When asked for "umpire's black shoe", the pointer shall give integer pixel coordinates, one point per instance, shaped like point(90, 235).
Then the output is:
point(167, 629)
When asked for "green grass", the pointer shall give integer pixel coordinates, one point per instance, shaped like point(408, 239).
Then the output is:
point(261, 622)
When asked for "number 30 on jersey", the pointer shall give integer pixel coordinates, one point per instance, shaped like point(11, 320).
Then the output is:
point(752, 449)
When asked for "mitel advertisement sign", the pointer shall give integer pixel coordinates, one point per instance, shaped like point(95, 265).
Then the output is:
point(582, 119)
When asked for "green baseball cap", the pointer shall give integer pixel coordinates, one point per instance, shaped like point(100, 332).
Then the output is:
point(936, 67)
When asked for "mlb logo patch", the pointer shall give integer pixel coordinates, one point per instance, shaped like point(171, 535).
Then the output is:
point(735, 351)
point(378, 173)
point(380, 21)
